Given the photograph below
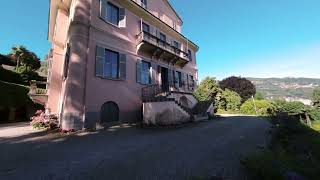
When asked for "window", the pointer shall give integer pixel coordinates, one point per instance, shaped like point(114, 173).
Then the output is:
point(111, 67)
point(163, 39)
point(145, 73)
point(179, 79)
point(190, 54)
point(110, 64)
point(144, 3)
point(177, 47)
point(113, 14)
point(191, 82)
point(145, 27)
point(66, 63)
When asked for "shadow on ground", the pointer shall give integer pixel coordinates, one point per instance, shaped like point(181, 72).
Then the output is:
point(205, 149)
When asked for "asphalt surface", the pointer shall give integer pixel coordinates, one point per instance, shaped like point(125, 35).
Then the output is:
point(206, 149)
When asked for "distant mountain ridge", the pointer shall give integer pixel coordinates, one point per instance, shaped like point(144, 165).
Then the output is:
point(287, 88)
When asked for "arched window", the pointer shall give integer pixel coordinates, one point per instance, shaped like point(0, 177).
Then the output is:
point(109, 112)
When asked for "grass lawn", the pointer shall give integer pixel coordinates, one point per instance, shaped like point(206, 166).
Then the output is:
point(294, 152)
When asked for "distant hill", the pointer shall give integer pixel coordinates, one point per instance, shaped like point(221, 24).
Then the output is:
point(289, 88)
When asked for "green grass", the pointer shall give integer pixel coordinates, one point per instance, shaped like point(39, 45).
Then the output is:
point(316, 125)
point(13, 95)
point(294, 148)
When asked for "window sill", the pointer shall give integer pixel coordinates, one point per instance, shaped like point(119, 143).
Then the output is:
point(111, 24)
point(110, 79)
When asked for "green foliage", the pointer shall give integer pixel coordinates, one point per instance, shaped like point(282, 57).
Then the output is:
point(264, 108)
point(228, 100)
point(12, 77)
point(294, 150)
point(13, 95)
point(316, 98)
point(207, 90)
point(242, 86)
point(292, 108)
point(259, 95)
point(26, 58)
point(314, 114)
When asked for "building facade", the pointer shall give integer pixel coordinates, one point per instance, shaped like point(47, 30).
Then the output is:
point(109, 57)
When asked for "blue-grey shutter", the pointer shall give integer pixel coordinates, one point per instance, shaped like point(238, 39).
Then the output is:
point(138, 70)
point(154, 73)
point(122, 66)
point(122, 17)
point(100, 60)
point(103, 9)
point(170, 77)
point(176, 79)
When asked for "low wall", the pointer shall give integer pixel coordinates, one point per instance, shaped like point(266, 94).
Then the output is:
point(164, 113)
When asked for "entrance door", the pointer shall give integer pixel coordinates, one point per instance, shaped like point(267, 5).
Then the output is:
point(164, 79)
point(109, 112)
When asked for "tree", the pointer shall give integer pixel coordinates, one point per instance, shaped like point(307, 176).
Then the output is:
point(7, 60)
point(292, 108)
point(207, 90)
point(23, 57)
point(242, 86)
point(17, 54)
point(259, 95)
point(316, 98)
point(229, 101)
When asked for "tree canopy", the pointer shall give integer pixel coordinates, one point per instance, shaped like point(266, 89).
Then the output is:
point(316, 98)
point(23, 57)
point(242, 86)
point(207, 90)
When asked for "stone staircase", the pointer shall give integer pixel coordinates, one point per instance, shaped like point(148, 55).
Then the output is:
point(154, 93)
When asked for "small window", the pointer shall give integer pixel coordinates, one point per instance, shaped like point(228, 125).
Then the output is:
point(144, 3)
point(177, 47)
point(163, 39)
point(190, 55)
point(145, 27)
point(66, 63)
point(113, 14)
point(145, 72)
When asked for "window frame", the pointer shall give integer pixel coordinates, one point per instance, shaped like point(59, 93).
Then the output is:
point(143, 62)
point(109, 4)
point(190, 55)
point(144, 4)
point(111, 65)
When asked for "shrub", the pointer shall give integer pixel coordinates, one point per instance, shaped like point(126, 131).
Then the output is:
point(264, 108)
point(207, 90)
point(292, 108)
point(314, 114)
point(42, 121)
point(229, 101)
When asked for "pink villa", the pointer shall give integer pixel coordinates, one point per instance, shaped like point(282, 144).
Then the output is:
point(119, 61)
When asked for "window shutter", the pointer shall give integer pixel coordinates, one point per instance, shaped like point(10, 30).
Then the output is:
point(123, 67)
point(138, 70)
point(183, 80)
point(188, 83)
point(122, 17)
point(100, 60)
point(103, 9)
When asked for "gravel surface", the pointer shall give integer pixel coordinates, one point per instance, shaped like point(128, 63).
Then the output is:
point(205, 149)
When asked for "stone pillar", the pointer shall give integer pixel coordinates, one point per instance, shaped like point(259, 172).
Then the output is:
point(74, 96)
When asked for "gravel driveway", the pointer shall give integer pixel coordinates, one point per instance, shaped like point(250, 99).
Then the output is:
point(205, 149)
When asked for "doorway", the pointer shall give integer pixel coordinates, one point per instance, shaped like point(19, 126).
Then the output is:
point(109, 112)
point(164, 79)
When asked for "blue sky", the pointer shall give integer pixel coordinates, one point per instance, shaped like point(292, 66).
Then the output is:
point(257, 38)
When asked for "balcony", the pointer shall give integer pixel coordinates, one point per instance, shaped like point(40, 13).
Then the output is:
point(38, 92)
point(159, 49)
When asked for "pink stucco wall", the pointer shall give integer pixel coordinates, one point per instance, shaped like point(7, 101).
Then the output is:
point(80, 96)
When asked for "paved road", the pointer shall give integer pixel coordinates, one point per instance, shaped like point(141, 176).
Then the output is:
point(205, 149)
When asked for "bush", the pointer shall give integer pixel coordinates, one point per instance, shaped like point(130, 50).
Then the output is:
point(229, 101)
point(264, 108)
point(207, 90)
point(42, 121)
point(314, 114)
point(292, 108)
